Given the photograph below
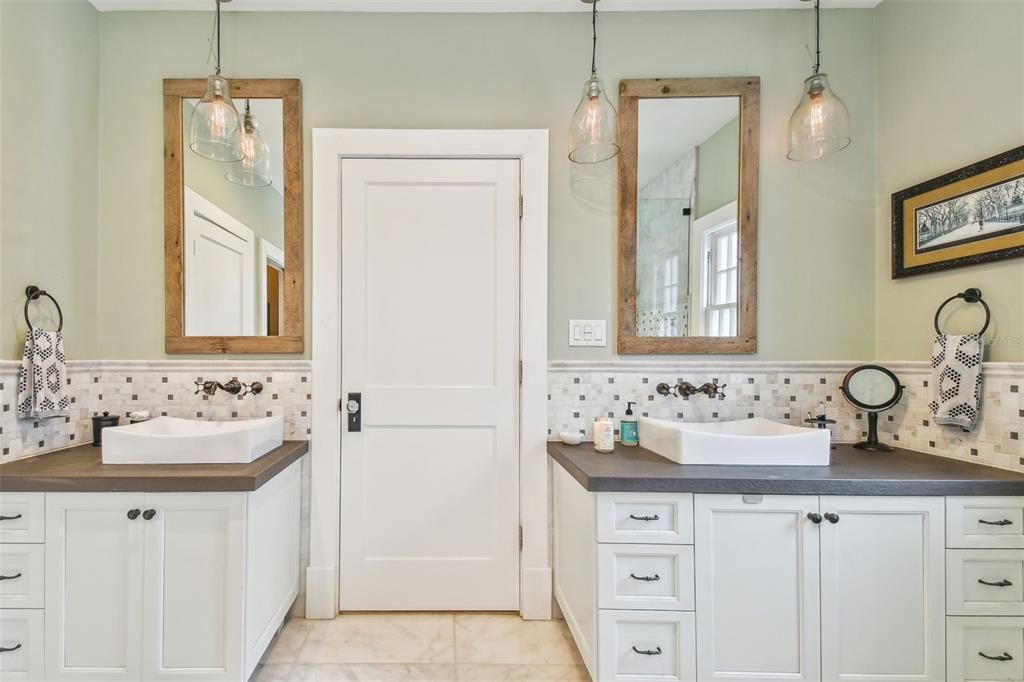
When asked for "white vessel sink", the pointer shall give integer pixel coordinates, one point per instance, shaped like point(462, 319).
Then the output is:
point(169, 440)
point(746, 442)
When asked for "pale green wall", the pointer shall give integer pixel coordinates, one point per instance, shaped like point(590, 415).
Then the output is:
point(950, 92)
point(515, 71)
point(49, 88)
point(259, 208)
point(718, 169)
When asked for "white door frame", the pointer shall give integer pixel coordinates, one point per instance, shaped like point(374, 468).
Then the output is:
point(330, 145)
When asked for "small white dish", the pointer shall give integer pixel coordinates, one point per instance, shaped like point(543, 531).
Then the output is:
point(570, 438)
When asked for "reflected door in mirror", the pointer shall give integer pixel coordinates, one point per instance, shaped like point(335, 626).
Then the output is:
point(234, 233)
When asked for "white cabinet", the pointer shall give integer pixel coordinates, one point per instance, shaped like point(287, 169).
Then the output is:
point(144, 586)
point(94, 586)
point(192, 606)
point(161, 586)
point(802, 587)
point(882, 589)
point(757, 587)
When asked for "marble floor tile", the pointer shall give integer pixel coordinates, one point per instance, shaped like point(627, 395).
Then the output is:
point(508, 639)
point(373, 672)
point(381, 638)
point(286, 645)
point(487, 672)
point(272, 672)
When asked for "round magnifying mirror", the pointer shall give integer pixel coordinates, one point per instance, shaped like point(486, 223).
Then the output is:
point(873, 389)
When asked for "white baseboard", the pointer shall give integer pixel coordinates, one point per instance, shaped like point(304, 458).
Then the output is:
point(535, 603)
point(321, 592)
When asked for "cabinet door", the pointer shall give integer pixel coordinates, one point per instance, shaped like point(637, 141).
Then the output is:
point(93, 586)
point(757, 587)
point(192, 616)
point(882, 589)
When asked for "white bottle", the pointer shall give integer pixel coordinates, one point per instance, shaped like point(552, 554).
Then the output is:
point(604, 434)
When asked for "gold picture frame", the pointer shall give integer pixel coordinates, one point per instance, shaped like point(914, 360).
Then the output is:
point(967, 217)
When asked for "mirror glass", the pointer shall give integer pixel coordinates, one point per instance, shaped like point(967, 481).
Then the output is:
point(233, 241)
point(687, 239)
point(871, 388)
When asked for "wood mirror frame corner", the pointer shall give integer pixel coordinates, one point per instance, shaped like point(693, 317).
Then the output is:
point(748, 90)
point(292, 339)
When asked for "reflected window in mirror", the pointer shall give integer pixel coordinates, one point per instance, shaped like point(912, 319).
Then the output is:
point(687, 233)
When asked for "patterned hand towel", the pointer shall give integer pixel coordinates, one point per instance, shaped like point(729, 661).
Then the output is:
point(42, 379)
point(956, 380)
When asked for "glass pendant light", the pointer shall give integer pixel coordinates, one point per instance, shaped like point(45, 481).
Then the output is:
point(594, 131)
point(820, 125)
point(254, 169)
point(215, 129)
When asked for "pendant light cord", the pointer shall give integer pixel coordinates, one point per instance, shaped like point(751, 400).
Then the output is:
point(593, 52)
point(217, 26)
point(817, 36)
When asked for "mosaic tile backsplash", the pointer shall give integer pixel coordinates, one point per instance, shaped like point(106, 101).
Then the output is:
point(162, 388)
point(787, 392)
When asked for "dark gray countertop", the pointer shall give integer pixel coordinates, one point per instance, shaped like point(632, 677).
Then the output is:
point(853, 472)
point(81, 469)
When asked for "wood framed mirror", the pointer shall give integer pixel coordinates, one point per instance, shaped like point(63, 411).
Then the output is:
point(233, 246)
point(687, 243)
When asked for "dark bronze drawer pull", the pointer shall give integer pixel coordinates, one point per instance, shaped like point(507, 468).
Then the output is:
point(648, 652)
point(1002, 583)
point(5, 649)
point(831, 517)
point(1001, 522)
point(814, 517)
point(149, 514)
point(10, 518)
point(645, 578)
point(10, 577)
point(644, 518)
point(1004, 657)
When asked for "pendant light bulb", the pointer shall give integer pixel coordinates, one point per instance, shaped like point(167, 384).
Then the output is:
point(215, 130)
point(254, 169)
point(594, 129)
point(820, 124)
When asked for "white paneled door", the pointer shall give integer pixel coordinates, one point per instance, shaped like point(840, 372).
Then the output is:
point(430, 343)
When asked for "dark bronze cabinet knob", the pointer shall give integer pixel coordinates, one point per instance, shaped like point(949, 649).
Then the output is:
point(149, 514)
point(832, 517)
point(133, 514)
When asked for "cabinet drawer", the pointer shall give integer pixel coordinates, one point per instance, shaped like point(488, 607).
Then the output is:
point(652, 518)
point(984, 649)
point(985, 582)
point(21, 633)
point(985, 522)
point(656, 577)
point(21, 517)
point(641, 646)
point(21, 576)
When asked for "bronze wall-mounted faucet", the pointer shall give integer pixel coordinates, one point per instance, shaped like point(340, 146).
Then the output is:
point(234, 387)
point(685, 389)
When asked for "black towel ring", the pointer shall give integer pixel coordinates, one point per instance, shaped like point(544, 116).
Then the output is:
point(971, 295)
point(32, 293)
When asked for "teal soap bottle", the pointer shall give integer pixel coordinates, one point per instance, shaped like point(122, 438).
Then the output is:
point(628, 427)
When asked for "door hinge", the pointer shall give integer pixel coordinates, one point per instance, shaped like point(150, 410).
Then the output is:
point(520, 538)
point(520, 207)
point(520, 372)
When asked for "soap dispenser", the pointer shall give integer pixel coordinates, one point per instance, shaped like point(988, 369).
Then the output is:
point(628, 427)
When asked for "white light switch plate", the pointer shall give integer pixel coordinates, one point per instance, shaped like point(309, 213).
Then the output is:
point(587, 333)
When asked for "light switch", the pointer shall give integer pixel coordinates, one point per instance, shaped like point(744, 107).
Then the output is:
point(587, 333)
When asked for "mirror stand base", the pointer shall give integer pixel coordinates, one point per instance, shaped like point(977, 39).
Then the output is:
point(872, 444)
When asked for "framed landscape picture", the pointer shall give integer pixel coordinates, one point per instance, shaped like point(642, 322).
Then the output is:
point(970, 216)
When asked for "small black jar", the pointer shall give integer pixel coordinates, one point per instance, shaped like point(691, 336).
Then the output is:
point(100, 422)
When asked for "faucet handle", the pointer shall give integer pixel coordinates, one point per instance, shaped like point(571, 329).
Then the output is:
point(713, 389)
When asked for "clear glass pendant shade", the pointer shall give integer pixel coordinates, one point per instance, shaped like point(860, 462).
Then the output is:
point(254, 169)
point(594, 130)
point(216, 129)
point(820, 124)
